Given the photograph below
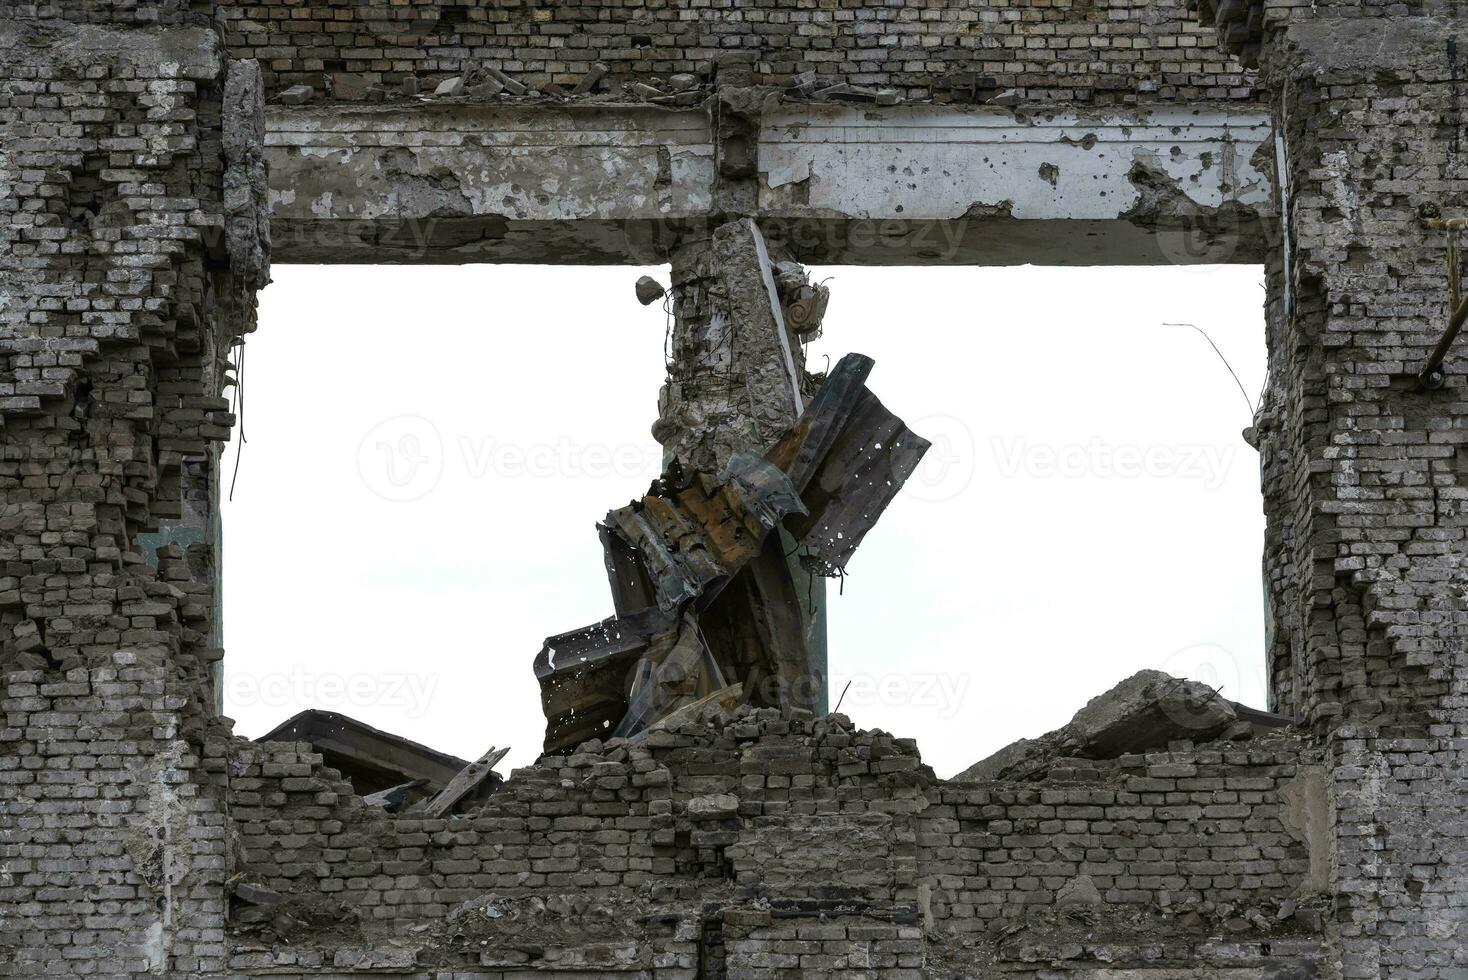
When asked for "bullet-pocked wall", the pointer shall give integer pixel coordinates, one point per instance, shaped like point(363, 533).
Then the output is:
point(1362, 462)
point(133, 241)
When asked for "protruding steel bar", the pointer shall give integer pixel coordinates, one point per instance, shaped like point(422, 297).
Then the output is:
point(1431, 375)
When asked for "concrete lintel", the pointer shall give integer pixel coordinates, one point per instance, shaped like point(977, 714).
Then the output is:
point(463, 182)
point(455, 182)
point(977, 185)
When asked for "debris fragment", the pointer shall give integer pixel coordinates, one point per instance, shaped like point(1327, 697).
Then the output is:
point(511, 85)
point(396, 798)
point(857, 93)
point(297, 95)
point(591, 79)
point(805, 83)
point(680, 99)
point(804, 303)
point(1146, 711)
point(649, 290)
point(348, 86)
point(700, 578)
point(449, 88)
point(1080, 890)
point(254, 894)
point(384, 769)
point(466, 784)
point(724, 699)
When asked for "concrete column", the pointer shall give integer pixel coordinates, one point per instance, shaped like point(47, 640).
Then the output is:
point(736, 372)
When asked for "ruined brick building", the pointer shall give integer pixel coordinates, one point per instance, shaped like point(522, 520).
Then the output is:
point(157, 154)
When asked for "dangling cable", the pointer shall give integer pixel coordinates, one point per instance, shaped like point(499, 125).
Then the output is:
point(1253, 410)
point(239, 388)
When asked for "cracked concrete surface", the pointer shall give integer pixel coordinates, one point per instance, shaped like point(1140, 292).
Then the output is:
point(459, 181)
point(464, 182)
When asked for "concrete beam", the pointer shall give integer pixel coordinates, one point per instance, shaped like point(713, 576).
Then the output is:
point(454, 182)
point(977, 185)
point(462, 182)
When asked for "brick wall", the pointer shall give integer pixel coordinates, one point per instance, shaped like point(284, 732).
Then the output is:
point(1365, 470)
point(122, 285)
point(129, 251)
point(112, 856)
point(786, 844)
point(1092, 51)
point(1200, 826)
point(121, 13)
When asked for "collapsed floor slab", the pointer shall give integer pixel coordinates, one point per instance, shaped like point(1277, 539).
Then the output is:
point(1145, 712)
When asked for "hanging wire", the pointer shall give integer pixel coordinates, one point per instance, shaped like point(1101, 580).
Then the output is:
point(1252, 409)
point(668, 323)
point(239, 398)
point(1455, 270)
point(841, 698)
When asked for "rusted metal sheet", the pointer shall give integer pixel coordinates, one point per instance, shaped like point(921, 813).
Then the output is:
point(689, 536)
point(631, 588)
point(800, 451)
point(585, 675)
point(700, 579)
point(871, 458)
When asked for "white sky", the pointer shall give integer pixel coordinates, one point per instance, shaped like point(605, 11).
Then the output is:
point(429, 450)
